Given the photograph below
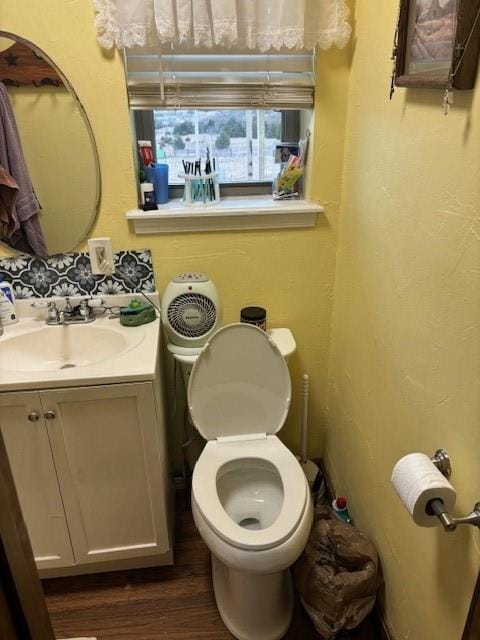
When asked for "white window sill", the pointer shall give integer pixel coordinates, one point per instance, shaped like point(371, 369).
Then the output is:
point(232, 213)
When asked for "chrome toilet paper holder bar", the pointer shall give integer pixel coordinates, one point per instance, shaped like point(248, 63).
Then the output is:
point(441, 460)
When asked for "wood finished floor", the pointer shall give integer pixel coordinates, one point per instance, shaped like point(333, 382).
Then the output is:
point(175, 602)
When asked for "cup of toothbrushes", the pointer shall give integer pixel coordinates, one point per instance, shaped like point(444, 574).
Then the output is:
point(201, 190)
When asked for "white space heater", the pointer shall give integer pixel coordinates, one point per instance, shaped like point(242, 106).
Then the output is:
point(191, 312)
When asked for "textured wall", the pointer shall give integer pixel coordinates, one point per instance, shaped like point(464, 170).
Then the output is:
point(289, 272)
point(405, 350)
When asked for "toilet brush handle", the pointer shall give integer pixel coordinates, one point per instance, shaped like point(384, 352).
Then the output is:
point(304, 426)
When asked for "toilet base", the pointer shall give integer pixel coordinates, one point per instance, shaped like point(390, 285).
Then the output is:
point(253, 606)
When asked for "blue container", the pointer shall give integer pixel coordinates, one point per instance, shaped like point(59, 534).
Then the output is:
point(157, 174)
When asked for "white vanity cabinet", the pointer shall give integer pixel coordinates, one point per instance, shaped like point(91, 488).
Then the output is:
point(28, 446)
point(91, 474)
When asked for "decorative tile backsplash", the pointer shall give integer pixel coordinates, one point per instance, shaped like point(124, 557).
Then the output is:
point(69, 274)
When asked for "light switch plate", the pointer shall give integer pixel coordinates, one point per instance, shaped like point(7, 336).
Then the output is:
point(101, 255)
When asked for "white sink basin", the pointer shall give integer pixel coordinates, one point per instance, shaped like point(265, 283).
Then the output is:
point(64, 347)
point(36, 356)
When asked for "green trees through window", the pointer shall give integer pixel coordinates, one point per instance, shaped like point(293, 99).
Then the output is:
point(243, 152)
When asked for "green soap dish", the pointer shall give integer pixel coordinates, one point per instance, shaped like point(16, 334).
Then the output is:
point(137, 313)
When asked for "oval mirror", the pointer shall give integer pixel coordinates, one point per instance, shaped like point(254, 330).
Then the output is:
point(49, 169)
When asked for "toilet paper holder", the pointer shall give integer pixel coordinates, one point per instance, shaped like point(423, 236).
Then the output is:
point(441, 460)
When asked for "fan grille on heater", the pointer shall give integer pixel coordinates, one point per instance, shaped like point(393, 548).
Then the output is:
point(192, 315)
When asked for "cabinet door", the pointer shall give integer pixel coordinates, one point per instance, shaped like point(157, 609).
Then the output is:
point(28, 448)
point(109, 464)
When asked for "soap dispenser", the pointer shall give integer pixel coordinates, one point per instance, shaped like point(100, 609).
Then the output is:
point(8, 313)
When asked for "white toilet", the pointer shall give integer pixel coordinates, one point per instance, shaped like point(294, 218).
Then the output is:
point(250, 498)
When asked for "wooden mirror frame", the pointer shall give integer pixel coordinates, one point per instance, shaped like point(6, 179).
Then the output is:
point(467, 13)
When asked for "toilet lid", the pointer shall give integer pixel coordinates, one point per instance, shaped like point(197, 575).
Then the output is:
point(239, 385)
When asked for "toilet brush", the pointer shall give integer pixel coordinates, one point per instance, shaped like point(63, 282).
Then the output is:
point(310, 469)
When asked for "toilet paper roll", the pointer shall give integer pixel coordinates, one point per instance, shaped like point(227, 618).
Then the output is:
point(417, 481)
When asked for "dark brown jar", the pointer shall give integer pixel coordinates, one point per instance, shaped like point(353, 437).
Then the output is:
point(254, 315)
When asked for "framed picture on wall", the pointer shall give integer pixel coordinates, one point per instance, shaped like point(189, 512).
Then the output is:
point(437, 38)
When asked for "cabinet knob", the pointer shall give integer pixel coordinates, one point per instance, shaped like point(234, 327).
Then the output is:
point(50, 415)
point(33, 416)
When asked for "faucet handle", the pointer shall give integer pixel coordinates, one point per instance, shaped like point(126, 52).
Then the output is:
point(52, 311)
point(85, 309)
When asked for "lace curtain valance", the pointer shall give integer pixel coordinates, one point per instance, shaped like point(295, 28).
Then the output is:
point(260, 25)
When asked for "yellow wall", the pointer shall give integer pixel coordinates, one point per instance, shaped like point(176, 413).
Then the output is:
point(405, 349)
point(289, 272)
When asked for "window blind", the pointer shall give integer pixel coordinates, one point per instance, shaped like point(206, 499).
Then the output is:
point(186, 80)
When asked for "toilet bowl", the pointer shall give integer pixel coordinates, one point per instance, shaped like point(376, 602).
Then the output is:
point(250, 497)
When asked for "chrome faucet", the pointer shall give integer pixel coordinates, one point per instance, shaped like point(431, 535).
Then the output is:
point(69, 315)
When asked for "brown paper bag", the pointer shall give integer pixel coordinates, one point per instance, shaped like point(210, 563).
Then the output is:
point(337, 575)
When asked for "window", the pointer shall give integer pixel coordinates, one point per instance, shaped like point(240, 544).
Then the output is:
point(243, 141)
point(239, 106)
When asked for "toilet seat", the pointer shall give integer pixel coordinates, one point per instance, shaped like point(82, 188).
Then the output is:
point(239, 385)
point(205, 491)
point(239, 395)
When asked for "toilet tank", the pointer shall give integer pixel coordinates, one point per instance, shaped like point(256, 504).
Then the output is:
point(283, 338)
